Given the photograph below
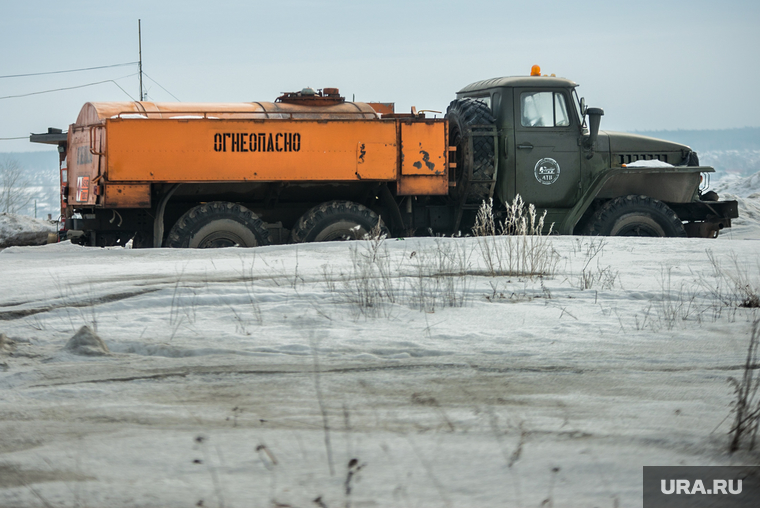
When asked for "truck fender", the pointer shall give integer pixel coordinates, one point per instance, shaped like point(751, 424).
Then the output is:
point(158, 221)
point(601, 181)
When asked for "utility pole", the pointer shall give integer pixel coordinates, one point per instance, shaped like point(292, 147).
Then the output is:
point(139, 42)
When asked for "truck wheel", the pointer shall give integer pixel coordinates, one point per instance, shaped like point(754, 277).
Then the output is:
point(336, 220)
point(462, 114)
point(218, 224)
point(635, 216)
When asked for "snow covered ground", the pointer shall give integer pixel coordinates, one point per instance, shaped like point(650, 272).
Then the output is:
point(255, 377)
point(415, 372)
point(745, 190)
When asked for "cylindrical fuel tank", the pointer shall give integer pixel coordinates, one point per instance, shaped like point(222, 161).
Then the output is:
point(96, 112)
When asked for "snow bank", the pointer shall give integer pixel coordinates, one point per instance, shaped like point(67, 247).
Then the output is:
point(654, 163)
point(739, 186)
point(23, 230)
point(745, 190)
point(747, 226)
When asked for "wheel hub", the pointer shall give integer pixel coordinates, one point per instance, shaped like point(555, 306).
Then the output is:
point(220, 239)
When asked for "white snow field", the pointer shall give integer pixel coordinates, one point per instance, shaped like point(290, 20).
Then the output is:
point(255, 377)
point(745, 190)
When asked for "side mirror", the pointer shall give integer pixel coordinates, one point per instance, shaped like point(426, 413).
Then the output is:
point(584, 108)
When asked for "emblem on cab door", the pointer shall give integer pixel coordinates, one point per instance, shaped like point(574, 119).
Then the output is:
point(547, 171)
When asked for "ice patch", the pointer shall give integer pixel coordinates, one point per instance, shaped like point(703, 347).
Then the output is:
point(168, 351)
point(295, 348)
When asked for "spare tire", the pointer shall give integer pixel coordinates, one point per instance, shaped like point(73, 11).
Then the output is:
point(462, 114)
point(692, 159)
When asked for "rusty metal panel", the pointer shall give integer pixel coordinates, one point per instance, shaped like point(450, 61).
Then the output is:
point(384, 108)
point(198, 150)
point(423, 148)
point(127, 195)
point(372, 158)
point(84, 166)
point(416, 185)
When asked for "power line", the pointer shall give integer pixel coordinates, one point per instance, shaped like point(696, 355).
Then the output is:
point(70, 70)
point(120, 88)
point(74, 87)
point(162, 88)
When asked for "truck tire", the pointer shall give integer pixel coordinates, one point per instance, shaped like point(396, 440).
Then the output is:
point(335, 220)
point(218, 224)
point(462, 114)
point(635, 216)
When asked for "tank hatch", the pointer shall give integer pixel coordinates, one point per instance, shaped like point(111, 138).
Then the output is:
point(311, 97)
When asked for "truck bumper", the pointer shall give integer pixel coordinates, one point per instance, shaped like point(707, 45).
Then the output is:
point(705, 219)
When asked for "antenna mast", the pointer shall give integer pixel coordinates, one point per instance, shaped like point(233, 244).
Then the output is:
point(139, 42)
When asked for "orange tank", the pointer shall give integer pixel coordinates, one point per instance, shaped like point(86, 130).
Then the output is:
point(118, 149)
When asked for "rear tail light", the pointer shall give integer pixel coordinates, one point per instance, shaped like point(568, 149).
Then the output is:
point(83, 188)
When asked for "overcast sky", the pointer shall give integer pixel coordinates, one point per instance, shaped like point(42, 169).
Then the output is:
point(650, 64)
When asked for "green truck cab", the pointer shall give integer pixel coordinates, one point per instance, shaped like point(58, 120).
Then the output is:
point(541, 142)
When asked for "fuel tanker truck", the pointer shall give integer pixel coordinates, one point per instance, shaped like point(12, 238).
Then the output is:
point(311, 166)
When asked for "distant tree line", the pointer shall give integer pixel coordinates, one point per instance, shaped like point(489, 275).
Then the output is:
point(745, 138)
point(15, 194)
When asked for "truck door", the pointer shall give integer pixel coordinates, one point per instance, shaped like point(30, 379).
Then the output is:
point(547, 154)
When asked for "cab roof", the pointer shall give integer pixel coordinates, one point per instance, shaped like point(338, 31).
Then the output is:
point(518, 81)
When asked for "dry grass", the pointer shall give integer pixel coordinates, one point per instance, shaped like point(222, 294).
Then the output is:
point(731, 286)
point(746, 405)
point(594, 275)
point(422, 280)
point(517, 245)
